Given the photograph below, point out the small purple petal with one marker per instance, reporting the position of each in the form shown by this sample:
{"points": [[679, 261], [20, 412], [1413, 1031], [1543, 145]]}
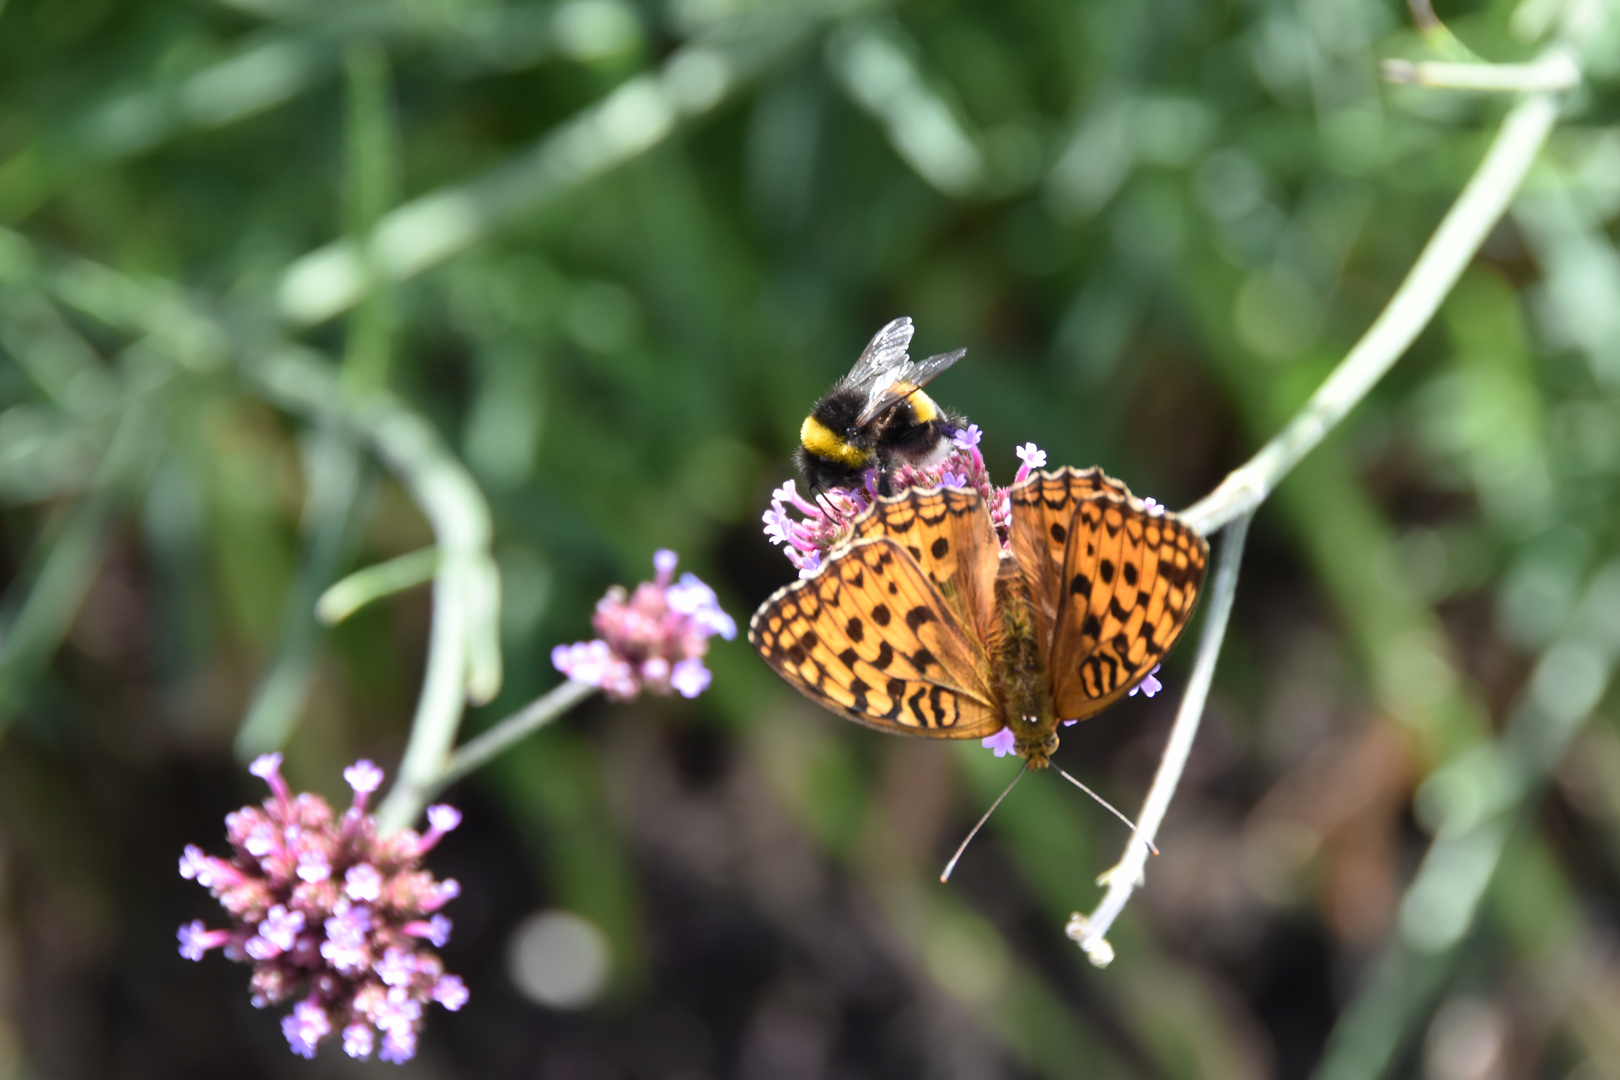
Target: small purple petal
{"points": [[196, 939], [362, 882], [260, 949], [282, 926], [689, 596], [690, 677], [436, 930], [1149, 685], [397, 1013], [778, 526], [968, 437], [1031, 455], [1002, 742], [589, 662], [450, 992], [664, 561], [363, 776], [398, 1046], [443, 817], [396, 967], [345, 944], [359, 1040], [441, 894], [193, 863], [305, 1027], [312, 866], [265, 766], [261, 839]]}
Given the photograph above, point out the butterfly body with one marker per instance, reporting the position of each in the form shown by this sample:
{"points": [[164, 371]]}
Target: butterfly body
{"points": [[923, 625], [877, 416], [1018, 667]]}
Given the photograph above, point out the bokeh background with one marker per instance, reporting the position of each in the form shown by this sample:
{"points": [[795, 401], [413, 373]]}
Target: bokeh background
{"points": [[622, 246]]}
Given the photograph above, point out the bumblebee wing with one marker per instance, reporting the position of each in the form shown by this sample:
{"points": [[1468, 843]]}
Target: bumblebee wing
{"points": [[883, 356], [907, 379]]}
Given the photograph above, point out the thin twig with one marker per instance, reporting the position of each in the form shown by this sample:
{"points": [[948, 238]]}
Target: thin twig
{"points": [[1478, 208], [372, 583], [1125, 877], [1556, 71], [1472, 217], [486, 747]]}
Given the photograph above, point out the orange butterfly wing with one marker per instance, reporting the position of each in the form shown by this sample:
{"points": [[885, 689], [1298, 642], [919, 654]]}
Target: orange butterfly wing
{"points": [[1114, 584], [890, 632]]}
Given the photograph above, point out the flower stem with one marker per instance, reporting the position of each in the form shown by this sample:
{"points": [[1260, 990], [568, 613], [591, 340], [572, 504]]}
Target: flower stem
{"points": [[1125, 877], [1555, 71], [1472, 217], [372, 583], [1478, 208], [476, 753]]}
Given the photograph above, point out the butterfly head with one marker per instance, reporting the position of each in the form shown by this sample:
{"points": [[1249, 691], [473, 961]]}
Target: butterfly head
{"points": [[1035, 743]]}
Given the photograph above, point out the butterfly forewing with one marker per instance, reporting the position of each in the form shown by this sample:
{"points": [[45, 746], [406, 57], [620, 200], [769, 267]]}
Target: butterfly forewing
{"points": [[876, 638], [1043, 510], [948, 535], [1121, 593]]}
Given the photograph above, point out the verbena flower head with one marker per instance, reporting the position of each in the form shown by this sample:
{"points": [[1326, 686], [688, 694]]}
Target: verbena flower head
{"points": [[332, 915], [826, 522], [653, 639]]}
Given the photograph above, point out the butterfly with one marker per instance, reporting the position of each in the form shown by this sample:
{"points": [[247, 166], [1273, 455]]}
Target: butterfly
{"points": [[877, 416], [922, 624]]}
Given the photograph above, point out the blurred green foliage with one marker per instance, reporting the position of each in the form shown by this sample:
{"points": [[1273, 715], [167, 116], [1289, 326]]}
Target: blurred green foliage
{"points": [[273, 271]]}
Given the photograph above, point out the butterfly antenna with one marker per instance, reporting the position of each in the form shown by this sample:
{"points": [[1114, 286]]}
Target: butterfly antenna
{"points": [[946, 876], [1106, 805]]}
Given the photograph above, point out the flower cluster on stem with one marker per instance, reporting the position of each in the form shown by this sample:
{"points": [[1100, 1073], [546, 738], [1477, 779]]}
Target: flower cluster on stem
{"points": [[653, 639], [331, 914], [825, 521]]}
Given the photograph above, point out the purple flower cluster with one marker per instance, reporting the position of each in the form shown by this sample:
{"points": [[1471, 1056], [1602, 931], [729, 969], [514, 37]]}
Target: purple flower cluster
{"points": [[825, 522], [653, 639], [964, 467], [323, 907]]}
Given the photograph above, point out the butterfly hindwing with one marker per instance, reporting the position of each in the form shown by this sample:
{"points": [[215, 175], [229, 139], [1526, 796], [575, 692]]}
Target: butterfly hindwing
{"points": [[886, 638]]}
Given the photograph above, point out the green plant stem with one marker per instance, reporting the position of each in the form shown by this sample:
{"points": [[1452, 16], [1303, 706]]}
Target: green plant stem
{"points": [[479, 751], [1472, 217], [1127, 876], [464, 658], [1553, 72], [375, 582], [1478, 208]]}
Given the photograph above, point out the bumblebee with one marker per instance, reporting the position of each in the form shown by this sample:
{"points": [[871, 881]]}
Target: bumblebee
{"points": [[877, 416]]}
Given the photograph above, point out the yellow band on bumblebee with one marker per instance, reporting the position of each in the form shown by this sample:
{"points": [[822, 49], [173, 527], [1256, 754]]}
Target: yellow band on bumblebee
{"points": [[820, 440], [922, 406]]}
